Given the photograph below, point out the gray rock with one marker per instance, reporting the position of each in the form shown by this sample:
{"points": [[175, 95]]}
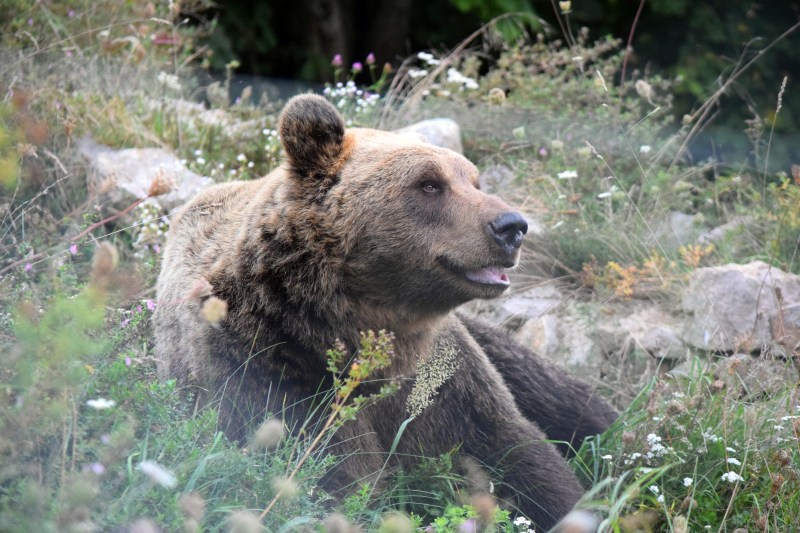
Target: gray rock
{"points": [[444, 132], [495, 179], [676, 229], [742, 308], [121, 176], [737, 224]]}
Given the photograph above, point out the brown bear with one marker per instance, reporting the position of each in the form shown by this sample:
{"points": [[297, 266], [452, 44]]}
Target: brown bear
{"points": [[364, 230]]}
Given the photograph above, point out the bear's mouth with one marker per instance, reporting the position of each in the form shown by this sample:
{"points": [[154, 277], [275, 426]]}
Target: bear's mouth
{"points": [[492, 275]]}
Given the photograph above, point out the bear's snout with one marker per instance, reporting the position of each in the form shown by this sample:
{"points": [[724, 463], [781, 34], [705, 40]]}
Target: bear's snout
{"points": [[507, 230]]}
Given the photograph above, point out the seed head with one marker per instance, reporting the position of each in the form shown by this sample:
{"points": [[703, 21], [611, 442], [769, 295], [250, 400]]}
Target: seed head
{"points": [[268, 435], [214, 310]]}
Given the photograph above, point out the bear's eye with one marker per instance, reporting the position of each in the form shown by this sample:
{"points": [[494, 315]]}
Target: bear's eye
{"points": [[430, 187]]}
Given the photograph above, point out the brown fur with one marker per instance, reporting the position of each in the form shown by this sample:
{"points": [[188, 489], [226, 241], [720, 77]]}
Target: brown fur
{"points": [[343, 238]]}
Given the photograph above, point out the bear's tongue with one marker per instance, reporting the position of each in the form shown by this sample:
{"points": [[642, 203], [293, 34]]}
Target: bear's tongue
{"points": [[489, 275]]}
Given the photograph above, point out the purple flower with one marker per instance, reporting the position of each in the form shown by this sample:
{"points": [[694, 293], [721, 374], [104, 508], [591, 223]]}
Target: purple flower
{"points": [[30, 22], [97, 468], [156, 248], [138, 308], [28, 267], [370, 59], [105, 438], [124, 323], [127, 361], [73, 249], [151, 305], [71, 13], [469, 526], [357, 67], [337, 61]]}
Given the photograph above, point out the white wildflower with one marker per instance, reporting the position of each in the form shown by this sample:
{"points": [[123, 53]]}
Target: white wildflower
{"points": [[606, 457], [604, 195], [732, 477], [417, 73], [654, 489], [158, 474], [170, 81], [241, 158], [101, 403], [734, 461], [521, 521], [645, 149], [568, 175], [687, 482], [200, 161], [660, 498]]}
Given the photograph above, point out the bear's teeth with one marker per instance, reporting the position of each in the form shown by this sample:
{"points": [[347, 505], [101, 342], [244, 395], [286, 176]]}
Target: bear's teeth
{"points": [[488, 275]]}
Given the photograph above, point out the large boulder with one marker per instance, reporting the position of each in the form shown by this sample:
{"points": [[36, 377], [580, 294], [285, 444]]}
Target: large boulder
{"points": [[742, 308]]}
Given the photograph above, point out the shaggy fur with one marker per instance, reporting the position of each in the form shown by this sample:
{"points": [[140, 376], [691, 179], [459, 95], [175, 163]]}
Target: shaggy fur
{"points": [[367, 230]]}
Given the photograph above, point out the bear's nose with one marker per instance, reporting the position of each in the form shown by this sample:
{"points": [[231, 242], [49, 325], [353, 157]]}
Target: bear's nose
{"points": [[507, 230]]}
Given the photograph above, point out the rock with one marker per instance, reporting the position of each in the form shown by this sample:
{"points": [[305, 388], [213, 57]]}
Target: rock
{"points": [[653, 330], [675, 230], [737, 224], [444, 132], [495, 179], [121, 176], [742, 308]]}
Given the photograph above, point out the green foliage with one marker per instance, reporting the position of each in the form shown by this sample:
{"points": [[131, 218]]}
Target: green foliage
{"points": [[689, 450]]}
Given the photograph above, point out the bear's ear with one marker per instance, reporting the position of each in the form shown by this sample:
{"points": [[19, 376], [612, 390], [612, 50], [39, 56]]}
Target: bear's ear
{"points": [[312, 133]]}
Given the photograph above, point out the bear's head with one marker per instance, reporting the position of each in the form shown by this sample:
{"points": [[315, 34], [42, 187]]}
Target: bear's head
{"points": [[412, 228]]}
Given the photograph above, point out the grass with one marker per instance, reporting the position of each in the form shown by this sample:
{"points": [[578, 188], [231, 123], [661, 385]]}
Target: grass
{"points": [[81, 409]]}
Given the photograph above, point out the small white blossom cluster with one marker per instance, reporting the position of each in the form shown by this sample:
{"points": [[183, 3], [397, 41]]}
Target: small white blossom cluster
{"points": [[731, 477], [523, 524], [151, 227], [170, 81], [453, 77], [655, 490], [657, 449], [158, 474], [345, 95]]}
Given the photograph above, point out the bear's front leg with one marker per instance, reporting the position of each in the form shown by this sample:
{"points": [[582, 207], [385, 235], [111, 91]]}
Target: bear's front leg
{"points": [[565, 408], [475, 410]]}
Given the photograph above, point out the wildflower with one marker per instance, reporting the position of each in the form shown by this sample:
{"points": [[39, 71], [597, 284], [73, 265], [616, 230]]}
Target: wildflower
{"points": [[370, 59], [198, 152], [387, 67], [468, 526], [214, 310], [73, 249], [71, 13], [158, 474], [127, 361], [734, 461], [200, 161], [687, 482], [732, 477], [28, 267], [521, 521], [606, 457], [284, 487], [170, 81], [241, 158], [101, 403], [337, 60], [654, 489], [269, 434], [568, 175], [603, 195], [357, 67], [244, 522], [729, 449], [97, 468], [660, 498], [417, 73], [565, 6], [428, 58]]}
